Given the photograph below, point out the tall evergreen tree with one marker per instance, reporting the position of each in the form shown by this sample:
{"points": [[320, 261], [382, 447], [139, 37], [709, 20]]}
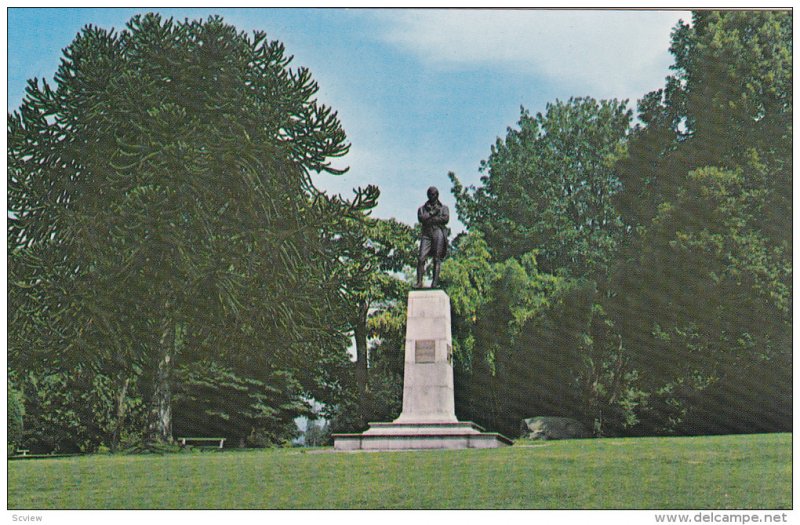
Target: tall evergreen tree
{"points": [[161, 207]]}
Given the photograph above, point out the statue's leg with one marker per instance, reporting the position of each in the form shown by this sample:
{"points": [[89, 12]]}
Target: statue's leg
{"points": [[437, 252], [420, 271], [437, 266]]}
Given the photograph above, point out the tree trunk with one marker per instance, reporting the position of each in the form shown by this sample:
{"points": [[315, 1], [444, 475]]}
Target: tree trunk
{"points": [[160, 430], [362, 378], [123, 392]]}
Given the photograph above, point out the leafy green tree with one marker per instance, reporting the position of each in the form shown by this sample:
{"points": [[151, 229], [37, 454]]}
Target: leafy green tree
{"points": [[713, 306], [211, 399], [371, 252], [528, 343], [545, 208], [77, 410], [728, 101], [387, 330], [548, 186], [611, 397], [707, 192], [15, 415], [161, 205], [317, 434], [503, 370], [467, 276]]}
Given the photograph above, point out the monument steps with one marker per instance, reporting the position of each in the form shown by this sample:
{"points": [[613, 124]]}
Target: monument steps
{"points": [[419, 436]]}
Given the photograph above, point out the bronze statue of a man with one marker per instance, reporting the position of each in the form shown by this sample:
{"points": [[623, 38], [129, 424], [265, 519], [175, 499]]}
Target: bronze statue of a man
{"points": [[433, 215]]}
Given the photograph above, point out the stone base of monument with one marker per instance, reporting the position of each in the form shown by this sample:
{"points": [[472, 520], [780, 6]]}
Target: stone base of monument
{"points": [[428, 419], [420, 436]]}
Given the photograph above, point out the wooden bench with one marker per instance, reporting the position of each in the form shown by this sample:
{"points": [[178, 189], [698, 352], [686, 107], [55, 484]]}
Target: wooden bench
{"points": [[183, 440], [22, 451]]}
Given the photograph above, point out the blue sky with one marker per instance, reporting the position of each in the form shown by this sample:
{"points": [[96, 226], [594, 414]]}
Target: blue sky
{"points": [[420, 92]]}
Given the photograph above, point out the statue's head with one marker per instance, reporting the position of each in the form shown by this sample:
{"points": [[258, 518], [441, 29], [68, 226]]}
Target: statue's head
{"points": [[433, 193]]}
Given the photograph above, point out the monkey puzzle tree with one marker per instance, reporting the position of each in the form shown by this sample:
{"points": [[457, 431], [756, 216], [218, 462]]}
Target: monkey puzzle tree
{"points": [[161, 202]]}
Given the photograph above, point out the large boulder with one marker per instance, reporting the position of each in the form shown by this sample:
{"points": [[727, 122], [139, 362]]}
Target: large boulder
{"points": [[547, 427]]}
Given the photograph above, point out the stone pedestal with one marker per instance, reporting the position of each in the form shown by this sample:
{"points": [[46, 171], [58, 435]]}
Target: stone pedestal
{"points": [[428, 419], [428, 371]]}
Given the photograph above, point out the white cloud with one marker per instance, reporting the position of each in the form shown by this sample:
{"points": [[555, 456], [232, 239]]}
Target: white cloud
{"points": [[619, 54]]}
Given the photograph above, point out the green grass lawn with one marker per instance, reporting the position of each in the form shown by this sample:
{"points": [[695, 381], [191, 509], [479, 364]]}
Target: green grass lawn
{"points": [[725, 472]]}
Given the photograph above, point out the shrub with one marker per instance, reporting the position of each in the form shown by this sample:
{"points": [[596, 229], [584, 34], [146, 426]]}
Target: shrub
{"points": [[16, 416]]}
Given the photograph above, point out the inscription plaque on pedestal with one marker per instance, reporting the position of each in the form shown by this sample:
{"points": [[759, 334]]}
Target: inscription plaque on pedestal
{"points": [[425, 351]]}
